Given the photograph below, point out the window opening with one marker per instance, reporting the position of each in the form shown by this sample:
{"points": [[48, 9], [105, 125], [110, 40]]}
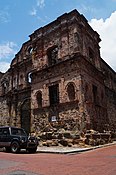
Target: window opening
{"points": [[29, 78], [52, 55], [39, 99], [30, 50], [91, 54], [54, 94], [95, 93]]}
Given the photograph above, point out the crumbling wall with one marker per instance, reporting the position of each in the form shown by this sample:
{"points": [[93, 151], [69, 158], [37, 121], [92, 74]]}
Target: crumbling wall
{"points": [[4, 113], [95, 110], [82, 112], [110, 94], [111, 109], [70, 34], [62, 57]]}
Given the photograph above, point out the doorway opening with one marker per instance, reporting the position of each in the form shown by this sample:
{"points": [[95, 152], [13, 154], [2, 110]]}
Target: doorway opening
{"points": [[25, 115]]}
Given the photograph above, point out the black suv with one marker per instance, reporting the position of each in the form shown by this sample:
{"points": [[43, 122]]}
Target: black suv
{"points": [[14, 139]]}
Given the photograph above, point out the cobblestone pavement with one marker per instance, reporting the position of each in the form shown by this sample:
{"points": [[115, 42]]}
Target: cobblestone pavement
{"points": [[100, 161]]}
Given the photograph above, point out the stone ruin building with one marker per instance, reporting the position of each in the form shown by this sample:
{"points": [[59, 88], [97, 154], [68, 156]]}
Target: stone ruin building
{"points": [[58, 80]]}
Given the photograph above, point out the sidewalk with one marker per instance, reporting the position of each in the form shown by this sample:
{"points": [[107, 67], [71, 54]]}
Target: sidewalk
{"points": [[67, 150]]}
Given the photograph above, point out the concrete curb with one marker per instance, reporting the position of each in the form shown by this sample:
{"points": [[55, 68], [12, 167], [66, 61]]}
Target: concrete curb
{"points": [[67, 150]]}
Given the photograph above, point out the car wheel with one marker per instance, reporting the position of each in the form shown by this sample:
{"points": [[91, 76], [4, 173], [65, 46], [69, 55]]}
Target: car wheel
{"points": [[15, 147]]}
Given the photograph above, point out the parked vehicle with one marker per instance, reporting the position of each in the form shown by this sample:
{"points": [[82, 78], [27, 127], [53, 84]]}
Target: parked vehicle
{"points": [[14, 139]]}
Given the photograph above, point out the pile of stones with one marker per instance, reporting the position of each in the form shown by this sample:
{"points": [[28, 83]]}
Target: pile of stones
{"points": [[94, 138], [61, 138], [73, 139]]}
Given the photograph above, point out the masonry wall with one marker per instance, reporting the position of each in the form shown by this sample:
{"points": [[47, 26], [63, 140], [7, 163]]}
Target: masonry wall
{"points": [[63, 57], [110, 93], [4, 113], [71, 34], [80, 113]]}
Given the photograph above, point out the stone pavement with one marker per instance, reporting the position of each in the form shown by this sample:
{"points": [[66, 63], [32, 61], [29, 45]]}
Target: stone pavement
{"points": [[67, 150]]}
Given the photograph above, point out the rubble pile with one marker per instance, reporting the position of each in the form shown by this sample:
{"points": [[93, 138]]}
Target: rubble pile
{"points": [[73, 138], [94, 138]]}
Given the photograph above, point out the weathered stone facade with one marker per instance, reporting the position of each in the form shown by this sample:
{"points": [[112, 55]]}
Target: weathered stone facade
{"points": [[58, 80]]}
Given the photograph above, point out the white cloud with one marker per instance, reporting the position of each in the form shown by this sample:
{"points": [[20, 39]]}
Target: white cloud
{"points": [[33, 12], [41, 3], [107, 31], [7, 49], [4, 16], [7, 52], [4, 66]]}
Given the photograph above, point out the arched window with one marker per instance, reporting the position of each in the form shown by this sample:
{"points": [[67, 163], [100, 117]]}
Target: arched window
{"points": [[30, 50], [39, 99], [29, 80], [71, 91]]}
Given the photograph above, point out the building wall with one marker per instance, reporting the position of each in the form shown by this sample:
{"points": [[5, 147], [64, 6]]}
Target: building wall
{"points": [[110, 93], [58, 80], [82, 111]]}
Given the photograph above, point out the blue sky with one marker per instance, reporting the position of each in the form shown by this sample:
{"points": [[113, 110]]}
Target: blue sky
{"points": [[19, 18]]}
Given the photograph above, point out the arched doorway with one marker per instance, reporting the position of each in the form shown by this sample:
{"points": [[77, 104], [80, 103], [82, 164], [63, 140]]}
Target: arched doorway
{"points": [[25, 115]]}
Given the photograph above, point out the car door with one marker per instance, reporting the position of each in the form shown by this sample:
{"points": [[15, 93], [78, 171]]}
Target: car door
{"points": [[5, 137], [0, 137]]}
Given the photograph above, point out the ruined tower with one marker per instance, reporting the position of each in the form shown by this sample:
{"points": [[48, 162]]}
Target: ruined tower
{"points": [[59, 79]]}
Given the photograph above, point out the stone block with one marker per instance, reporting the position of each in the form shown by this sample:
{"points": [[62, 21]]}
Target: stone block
{"points": [[49, 135], [113, 136], [49, 143], [88, 136], [106, 137], [67, 135], [95, 136], [43, 136], [55, 142], [63, 142], [60, 135]]}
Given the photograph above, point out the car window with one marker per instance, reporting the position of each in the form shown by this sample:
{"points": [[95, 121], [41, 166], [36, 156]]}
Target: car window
{"points": [[0, 131], [5, 131], [16, 131]]}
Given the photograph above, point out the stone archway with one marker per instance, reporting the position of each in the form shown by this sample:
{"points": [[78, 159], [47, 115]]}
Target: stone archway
{"points": [[26, 115]]}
